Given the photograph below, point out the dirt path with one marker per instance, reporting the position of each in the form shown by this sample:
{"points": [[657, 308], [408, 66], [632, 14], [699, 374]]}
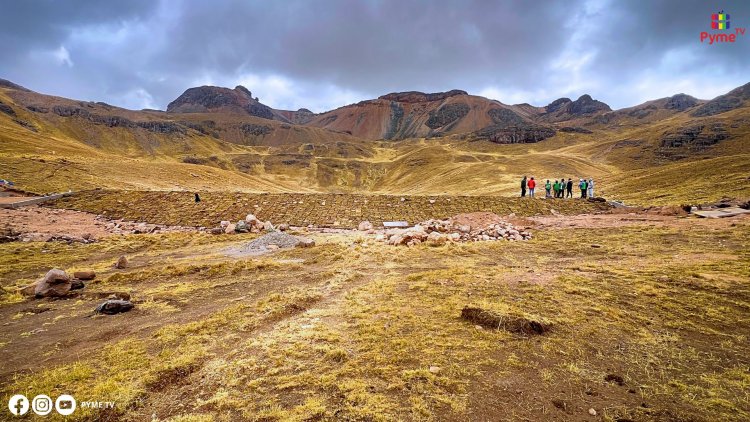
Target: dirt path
{"points": [[34, 223]]}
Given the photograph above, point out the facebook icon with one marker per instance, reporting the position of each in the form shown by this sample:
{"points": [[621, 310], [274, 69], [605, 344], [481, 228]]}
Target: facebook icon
{"points": [[18, 405]]}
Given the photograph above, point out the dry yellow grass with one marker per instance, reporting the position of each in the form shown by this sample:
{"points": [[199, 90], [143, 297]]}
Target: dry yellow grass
{"points": [[350, 329]]}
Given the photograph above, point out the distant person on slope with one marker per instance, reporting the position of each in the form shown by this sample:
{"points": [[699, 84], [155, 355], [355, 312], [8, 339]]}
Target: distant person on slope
{"points": [[591, 187], [532, 185], [547, 188], [570, 188], [197, 197], [523, 187]]}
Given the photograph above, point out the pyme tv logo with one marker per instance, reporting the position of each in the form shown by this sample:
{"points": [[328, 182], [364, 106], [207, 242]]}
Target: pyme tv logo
{"points": [[720, 22]]}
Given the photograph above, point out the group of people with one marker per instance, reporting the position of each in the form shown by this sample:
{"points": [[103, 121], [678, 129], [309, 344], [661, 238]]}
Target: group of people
{"points": [[558, 188]]}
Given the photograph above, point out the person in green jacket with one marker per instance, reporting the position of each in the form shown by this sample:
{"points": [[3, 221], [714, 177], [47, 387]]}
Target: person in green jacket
{"points": [[556, 188], [583, 186]]}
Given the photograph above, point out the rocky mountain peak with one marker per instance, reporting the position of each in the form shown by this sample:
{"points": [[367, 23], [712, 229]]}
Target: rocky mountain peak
{"points": [[205, 99], [557, 104], [242, 89], [420, 97], [585, 105]]}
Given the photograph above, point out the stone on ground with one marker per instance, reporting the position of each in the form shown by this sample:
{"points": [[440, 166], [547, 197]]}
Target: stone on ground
{"points": [[122, 262], [84, 275], [114, 306], [56, 283]]}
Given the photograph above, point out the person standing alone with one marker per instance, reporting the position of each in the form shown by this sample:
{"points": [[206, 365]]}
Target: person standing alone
{"points": [[532, 185], [523, 187]]}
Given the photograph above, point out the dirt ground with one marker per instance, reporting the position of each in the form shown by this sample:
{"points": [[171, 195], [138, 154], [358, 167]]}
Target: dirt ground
{"points": [[649, 322], [35, 223]]}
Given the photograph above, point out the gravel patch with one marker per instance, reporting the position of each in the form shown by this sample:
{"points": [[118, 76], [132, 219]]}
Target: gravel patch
{"points": [[280, 239]]}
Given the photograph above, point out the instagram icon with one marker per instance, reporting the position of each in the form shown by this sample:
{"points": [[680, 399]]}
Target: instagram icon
{"points": [[41, 405]]}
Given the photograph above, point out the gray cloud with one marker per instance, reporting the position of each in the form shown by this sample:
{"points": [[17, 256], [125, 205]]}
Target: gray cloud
{"points": [[328, 53]]}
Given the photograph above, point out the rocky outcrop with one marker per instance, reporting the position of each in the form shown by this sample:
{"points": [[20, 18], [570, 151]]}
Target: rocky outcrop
{"points": [[696, 136], [564, 109], [447, 114], [680, 102], [510, 128], [255, 130], [723, 103], [205, 99], [420, 97], [585, 105], [574, 129], [6, 109], [557, 104], [156, 126]]}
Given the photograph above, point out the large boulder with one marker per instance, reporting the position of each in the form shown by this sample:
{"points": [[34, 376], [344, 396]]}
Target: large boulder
{"points": [[56, 283]]}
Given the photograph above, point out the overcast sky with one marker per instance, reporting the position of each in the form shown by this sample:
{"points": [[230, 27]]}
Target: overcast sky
{"points": [[322, 54]]}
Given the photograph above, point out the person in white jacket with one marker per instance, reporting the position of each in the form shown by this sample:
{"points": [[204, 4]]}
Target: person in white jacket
{"points": [[591, 188]]}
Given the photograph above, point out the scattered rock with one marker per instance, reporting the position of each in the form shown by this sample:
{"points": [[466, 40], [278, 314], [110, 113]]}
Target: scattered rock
{"points": [[217, 230], [482, 226], [84, 275], [122, 262], [76, 284], [435, 369], [306, 243], [513, 323], [114, 306], [56, 283], [241, 227], [592, 412], [365, 226], [230, 228], [596, 245], [283, 227]]}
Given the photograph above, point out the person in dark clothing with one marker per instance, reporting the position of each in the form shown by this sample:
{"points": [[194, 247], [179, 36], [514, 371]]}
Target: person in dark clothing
{"points": [[523, 187], [197, 197], [570, 188]]}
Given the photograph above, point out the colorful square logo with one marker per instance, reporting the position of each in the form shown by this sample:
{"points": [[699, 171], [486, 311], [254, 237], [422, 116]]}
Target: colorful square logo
{"points": [[720, 20]]}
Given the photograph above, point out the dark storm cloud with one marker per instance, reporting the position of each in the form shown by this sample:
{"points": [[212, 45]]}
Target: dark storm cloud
{"points": [[323, 54]]}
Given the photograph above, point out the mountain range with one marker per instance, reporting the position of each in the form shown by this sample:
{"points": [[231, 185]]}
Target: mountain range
{"points": [[403, 142]]}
